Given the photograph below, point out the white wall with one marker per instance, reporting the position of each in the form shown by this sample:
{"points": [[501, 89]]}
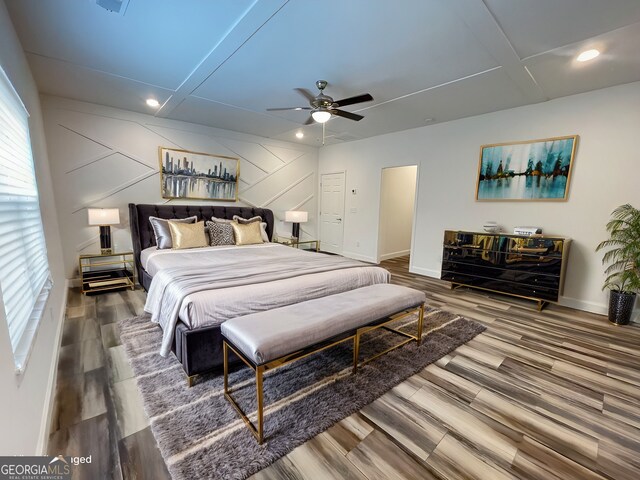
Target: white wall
{"points": [[397, 196], [106, 157], [605, 174], [26, 399]]}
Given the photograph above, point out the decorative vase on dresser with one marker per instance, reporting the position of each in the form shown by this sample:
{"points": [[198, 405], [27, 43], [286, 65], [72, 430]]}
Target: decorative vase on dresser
{"points": [[527, 267]]}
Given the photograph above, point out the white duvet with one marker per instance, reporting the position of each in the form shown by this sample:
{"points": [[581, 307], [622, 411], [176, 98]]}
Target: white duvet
{"points": [[207, 286]]}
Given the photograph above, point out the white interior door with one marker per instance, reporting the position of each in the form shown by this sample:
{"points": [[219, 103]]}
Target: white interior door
{"points": [[332, 212]]}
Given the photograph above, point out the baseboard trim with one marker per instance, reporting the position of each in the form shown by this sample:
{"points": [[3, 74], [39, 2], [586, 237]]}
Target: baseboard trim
{"points": [[427, 272], [584, 305], [49, 399], [358, 256], [401, 253], [593, 307]]}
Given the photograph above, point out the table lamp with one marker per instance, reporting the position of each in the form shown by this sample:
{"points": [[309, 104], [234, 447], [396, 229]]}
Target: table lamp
{"points": [[297, 217], [104, 217]]}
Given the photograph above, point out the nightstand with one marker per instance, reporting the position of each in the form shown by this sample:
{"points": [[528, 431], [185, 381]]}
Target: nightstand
{"points": [[294, 242], [101, 272]]}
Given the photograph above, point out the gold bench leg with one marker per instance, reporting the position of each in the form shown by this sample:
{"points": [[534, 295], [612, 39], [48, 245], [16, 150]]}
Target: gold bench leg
{"points": [[409, 337], [356, 350], [260, 397], [420, 324], [257, 431], [225, 363]]}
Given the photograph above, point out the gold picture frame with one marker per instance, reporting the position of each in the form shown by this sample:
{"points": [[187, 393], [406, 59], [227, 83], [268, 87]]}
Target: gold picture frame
{"points": [[530, 170], [198, 176]]}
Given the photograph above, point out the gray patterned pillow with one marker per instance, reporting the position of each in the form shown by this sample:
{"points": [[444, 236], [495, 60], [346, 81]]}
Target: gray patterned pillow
{"points": [[257, 218], [161, 229], [220, 233]]}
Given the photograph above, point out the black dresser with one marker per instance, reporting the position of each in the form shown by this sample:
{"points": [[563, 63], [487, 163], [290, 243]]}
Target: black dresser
{"points": [[529, 267]]}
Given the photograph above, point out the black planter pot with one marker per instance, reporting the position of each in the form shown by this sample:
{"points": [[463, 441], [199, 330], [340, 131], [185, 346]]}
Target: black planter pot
{"points": [[621, 307]]}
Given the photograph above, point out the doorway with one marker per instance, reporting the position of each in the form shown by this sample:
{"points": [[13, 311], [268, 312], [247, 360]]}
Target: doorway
{"points": [[331, 212], [397, 203]]}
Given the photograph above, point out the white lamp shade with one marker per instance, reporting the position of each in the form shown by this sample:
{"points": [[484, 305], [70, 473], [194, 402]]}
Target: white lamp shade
{"points": [[296, 216], [103, 216], [321, 116]]}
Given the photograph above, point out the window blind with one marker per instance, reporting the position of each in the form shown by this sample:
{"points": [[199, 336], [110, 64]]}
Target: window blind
{"points": [[25, 281]]}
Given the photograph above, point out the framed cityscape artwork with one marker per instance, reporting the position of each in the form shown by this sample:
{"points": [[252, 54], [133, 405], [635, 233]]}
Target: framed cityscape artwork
{"points": [[194, 175], [530, 170]]}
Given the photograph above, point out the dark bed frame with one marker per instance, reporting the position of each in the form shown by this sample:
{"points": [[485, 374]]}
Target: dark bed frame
{"points": [[198, 350]]}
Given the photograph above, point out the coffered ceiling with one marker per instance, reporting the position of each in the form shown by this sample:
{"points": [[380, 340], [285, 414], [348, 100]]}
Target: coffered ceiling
{"points": [[222, 63]]}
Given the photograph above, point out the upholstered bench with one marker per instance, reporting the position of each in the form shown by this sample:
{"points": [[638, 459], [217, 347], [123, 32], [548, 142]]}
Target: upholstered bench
{"points": [[269, 339]]}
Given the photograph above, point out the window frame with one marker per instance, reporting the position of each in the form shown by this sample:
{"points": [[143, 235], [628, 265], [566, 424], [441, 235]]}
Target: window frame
{"points": [[21, 347]]}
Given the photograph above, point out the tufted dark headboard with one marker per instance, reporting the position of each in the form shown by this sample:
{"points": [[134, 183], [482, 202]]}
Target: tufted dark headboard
{"points": [[142, 234]]}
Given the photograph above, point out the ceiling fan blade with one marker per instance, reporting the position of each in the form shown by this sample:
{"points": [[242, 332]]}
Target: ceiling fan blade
{"points": [[365, 97], [289, 108], [349, 115], [309, 121], [306, 94]]}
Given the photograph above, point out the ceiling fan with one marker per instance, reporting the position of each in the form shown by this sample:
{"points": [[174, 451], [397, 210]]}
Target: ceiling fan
{"points": [[323, 106]]}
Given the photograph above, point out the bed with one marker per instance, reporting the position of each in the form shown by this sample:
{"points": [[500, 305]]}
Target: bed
{"points": [[191, 292]]}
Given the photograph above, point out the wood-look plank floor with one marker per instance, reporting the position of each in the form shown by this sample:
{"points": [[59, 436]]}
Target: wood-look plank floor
{"points": [[540, 395], [98, 410]]}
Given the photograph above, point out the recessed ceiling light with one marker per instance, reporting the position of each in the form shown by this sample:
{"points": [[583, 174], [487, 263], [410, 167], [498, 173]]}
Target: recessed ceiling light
{"points": [[152, 102], [588, 55], [299, 135]]}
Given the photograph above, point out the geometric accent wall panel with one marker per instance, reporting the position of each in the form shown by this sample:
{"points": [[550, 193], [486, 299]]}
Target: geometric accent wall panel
{"points": [[102, 177], [188, 140], [285, 154], [254, 153], [62, 141], [278, 182], [105, 157], [250, 174]]}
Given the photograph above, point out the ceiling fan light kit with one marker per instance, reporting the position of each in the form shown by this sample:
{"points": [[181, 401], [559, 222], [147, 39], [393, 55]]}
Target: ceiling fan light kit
{"points": [[323, 107], [321, 115]]}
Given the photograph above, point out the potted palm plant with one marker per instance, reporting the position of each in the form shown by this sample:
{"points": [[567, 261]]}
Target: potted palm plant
{"points": [[623, 260]]}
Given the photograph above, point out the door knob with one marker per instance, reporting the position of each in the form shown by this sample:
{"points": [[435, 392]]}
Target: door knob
{"points": [[339, 219]]}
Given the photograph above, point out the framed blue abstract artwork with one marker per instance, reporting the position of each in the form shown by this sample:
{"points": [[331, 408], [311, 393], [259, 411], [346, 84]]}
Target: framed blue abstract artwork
{"points": [[529, 170]]}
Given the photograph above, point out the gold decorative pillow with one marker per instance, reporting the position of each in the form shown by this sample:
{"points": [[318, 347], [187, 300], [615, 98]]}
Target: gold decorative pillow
{"points": [[187, 235], [247, 234], [258, 218]]}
